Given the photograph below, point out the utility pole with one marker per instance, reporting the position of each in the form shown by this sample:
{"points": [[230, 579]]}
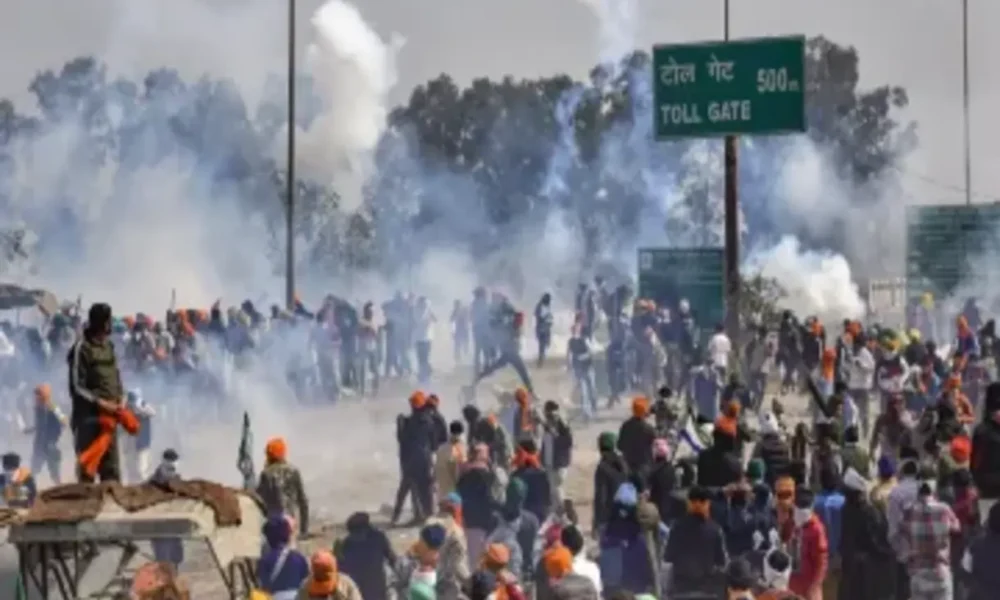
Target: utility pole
{"points": [[290, 177], [732, 224], [965, 100]]}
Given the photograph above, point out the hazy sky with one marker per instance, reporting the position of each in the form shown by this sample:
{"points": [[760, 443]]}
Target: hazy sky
{"points": [[914, 43]]}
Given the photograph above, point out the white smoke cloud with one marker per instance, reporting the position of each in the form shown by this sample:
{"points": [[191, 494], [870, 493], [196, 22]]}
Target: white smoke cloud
{"points": [[354, 70], [816, 283]]}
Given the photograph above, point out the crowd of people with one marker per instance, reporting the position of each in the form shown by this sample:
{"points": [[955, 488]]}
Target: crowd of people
{"points": [[883, 489]]}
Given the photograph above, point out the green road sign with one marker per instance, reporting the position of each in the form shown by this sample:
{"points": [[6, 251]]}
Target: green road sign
{"points": [[748, 86], [941, 240], [666, 275]]}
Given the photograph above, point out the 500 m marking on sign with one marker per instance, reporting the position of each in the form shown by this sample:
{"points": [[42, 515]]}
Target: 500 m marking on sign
{"points": [[775, 80]]}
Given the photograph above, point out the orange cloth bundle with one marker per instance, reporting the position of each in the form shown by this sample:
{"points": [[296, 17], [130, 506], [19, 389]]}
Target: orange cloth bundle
{"points": [[90, 458]]}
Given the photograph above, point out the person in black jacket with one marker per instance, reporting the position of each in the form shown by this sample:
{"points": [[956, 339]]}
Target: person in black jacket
{"points": [[364, 554], [985, 462], [438, 423], [415, 434], [772, 449], [476, 488], [697, 551], [718, 465], [557, 449], [662, 482], [610, 473], [635, 438]]}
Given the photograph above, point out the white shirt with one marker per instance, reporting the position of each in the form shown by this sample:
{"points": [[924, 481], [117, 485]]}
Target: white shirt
{"points": [[589, 569], [719, 348], [423, 326], [861, 372]]}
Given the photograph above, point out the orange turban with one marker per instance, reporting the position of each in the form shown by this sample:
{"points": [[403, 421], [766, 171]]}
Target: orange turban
{"points": [[323, 574], [961, 449], [417, 400], [496, 557], [558, 561], [276, 450], [640, 407]]}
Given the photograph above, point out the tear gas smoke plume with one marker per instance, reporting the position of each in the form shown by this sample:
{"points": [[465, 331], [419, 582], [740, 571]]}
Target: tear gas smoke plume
{"points": [[354, 70]]}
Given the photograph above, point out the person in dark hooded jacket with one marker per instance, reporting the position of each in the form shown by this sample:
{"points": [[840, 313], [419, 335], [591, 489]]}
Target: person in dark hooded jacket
{"points": [[696, 550], [439, 425], [985, 462], [635, 438], [610, 473], [981, 559], [364, 555]]}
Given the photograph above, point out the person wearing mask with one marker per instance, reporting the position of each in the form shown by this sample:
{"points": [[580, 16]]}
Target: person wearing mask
{"points": [[980, 560], [363, 555], [326, 582], [415, 435], [582, 566], [985, 461], [696, 551], [281, 569], [448, 460], [624, 552], [809, 548], [280, 485], [476, 487], [557, 450], [923, 543], [611, 472], [95, 385], [635, 438]]}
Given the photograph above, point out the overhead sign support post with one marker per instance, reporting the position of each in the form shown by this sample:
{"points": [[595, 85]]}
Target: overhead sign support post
{"points": [[741, 87]]}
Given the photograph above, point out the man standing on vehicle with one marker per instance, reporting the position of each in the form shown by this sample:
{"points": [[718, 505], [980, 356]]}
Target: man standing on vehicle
{"points": [[95, 385]]}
